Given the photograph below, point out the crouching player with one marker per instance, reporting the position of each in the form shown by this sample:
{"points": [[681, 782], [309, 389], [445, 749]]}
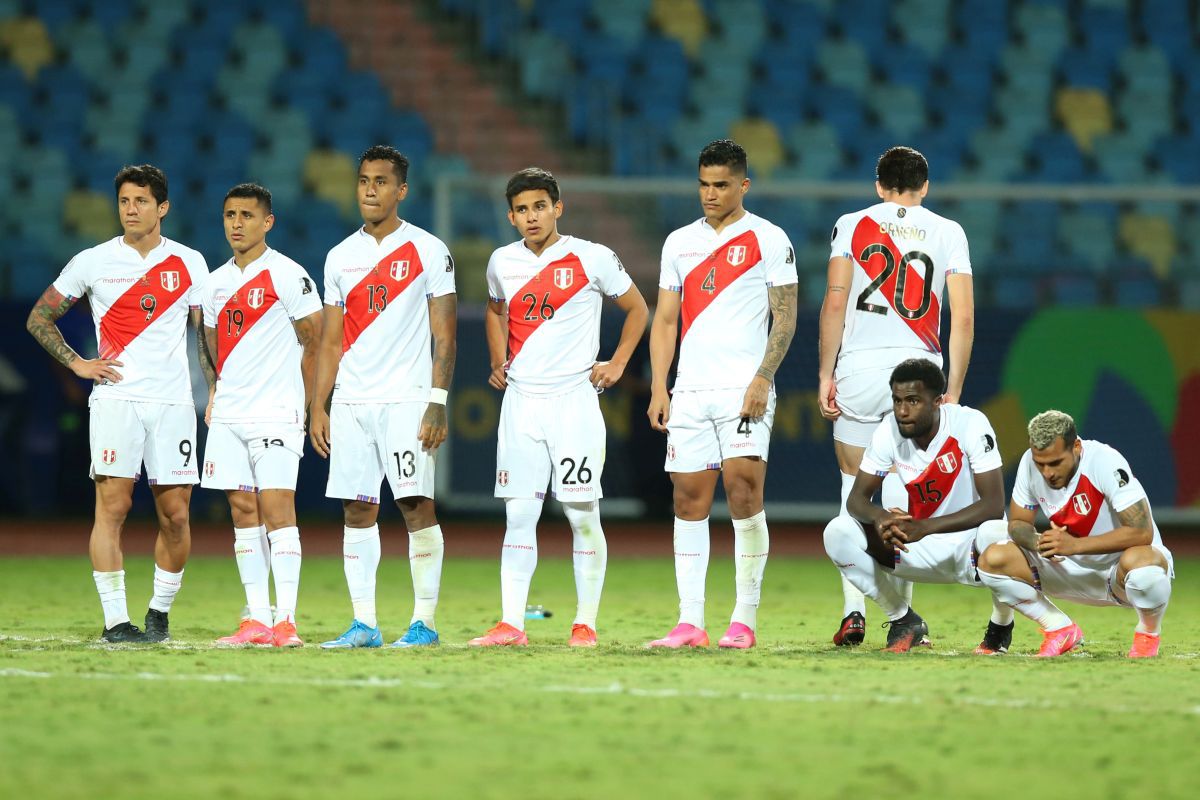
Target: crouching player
{"points": [[1102, 547], [947, 457], [262, 321]]}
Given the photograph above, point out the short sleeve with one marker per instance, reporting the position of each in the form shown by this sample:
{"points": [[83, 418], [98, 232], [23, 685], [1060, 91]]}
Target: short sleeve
{"points": [[207, 294], [668, 273], [880, 454], [1022, 492], [198, 269], [1117, 481], [333, 291], [439, 268], [73, 280], [298, 293], [608, 273], [841, 237], [495, 287], [779, 259], [980, 445], [958, 258]]}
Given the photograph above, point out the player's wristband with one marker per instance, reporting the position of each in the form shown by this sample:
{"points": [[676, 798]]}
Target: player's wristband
{"points": [[438, 396]]}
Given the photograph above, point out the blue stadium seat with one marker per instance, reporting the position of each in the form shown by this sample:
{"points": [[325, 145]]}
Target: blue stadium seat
{"points": [[1017, 292], [1057, 159], [1074, 288]]}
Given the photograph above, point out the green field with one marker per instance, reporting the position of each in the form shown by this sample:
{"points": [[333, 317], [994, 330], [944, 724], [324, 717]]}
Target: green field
{"points": [[794, 718]]}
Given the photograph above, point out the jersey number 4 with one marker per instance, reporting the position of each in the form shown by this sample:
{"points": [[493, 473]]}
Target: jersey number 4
{"points": [[709, 284], [889, 267]]}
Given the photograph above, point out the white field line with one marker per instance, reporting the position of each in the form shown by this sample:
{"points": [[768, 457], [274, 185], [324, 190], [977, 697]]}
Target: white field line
{"points": [[612, 689]]}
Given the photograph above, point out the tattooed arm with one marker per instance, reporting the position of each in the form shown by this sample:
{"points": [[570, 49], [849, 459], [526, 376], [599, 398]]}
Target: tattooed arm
{"points": [[42, 326], [204, 350], [1136, 529], [443, 321], [783, 326], [1020, 526], [833, 320]]}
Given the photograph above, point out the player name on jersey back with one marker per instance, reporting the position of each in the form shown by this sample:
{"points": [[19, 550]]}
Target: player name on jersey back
{"points": [[901, 256], [554, 302], [258, 355], [723, 279], [384, 290], [939, 479], [140, 310]]}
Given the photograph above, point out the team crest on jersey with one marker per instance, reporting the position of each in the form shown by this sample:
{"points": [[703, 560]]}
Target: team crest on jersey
{"points": [[947, 463], [736, 254], [255, 297], [108, 456], [170, 280], [502, 477], [209, 468], [564, 277], [1082, 504], [399, 270]]}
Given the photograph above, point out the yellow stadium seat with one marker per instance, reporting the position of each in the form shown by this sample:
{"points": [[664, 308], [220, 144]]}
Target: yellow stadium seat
{"points": [[1152, 238], [331, 175], [764, 147], [682, 20], [1085, 113], [28, 44], [90, 214]]}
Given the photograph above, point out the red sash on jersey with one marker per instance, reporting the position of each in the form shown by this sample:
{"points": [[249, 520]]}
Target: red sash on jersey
{"points": [[544, 294], [145, 301], [925, 327], [716, 273], [379, 288], [927, 491], [239, 314], [1079, 514]]}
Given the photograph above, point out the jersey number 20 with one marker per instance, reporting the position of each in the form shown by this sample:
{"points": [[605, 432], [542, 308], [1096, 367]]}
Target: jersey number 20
{"points": [[889, 267]]}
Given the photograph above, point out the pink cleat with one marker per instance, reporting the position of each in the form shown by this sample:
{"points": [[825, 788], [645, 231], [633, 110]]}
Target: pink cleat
{"points": [[1145, 645], [284, 634], [501, 634], [739, 637], [1061, 641], [682, 635], [251, 633], [582, 636]]}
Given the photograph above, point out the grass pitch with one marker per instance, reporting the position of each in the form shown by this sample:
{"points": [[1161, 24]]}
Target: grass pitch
{"points": [[794, 718]]}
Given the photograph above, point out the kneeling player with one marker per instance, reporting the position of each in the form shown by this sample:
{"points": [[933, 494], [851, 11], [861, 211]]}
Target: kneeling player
{"points": [[946, 454], [1102, 547], [262, 320], [544, 358]]}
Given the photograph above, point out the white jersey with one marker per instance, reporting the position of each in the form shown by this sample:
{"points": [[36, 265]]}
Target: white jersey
{"points": [[723, 279], [901, 256], [554, 303], [384, 289], [140, 308], [940, 479], [1102, 486], [258, 355]]}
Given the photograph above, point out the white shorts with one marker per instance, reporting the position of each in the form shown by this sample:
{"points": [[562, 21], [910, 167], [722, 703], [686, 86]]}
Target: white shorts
{"points": [[371, 441], [252, 456], [940, 558], [705, 428], [557, 440], [122, 434], [864, 395], [1091, 585]]}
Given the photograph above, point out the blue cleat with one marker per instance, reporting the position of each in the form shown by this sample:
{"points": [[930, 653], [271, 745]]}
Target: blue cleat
{"points": [[358, 635], [418, 636]]}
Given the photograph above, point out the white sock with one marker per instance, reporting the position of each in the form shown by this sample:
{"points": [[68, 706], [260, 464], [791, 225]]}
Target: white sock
{"points": [[589, 552], [852, 599], [846, 544], [1149, 591], [425, 550], [285, 568], [166, 586], [691, 568], [111, 587], [264, 548], [518, 558], [751, 542], [252, 567], [994, 532], [1026, 599], [360, 562]]}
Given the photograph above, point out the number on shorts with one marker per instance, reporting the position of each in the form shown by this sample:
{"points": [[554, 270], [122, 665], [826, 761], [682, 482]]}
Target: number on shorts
{"points": [[149, 303], [408, 469], [377, 298], [185, 450], [269, 442], [233, 316], [709, 284], [544, 309], [929, 492], [744, 426], [889, 266], [582, 475]]}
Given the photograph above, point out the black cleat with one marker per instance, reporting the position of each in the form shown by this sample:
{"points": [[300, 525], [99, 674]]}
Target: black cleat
{"points": [[123, 633], [906, 632], [853, 630], [996, 641], [157, 627]]}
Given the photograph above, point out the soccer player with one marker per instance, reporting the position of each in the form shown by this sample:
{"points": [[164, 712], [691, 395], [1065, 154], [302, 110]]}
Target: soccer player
{"points": [[726, 273], [1102, 547], [893, 261], [947, 457], [262, 320], [543, 333], [389, 288], [142, 288]]}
